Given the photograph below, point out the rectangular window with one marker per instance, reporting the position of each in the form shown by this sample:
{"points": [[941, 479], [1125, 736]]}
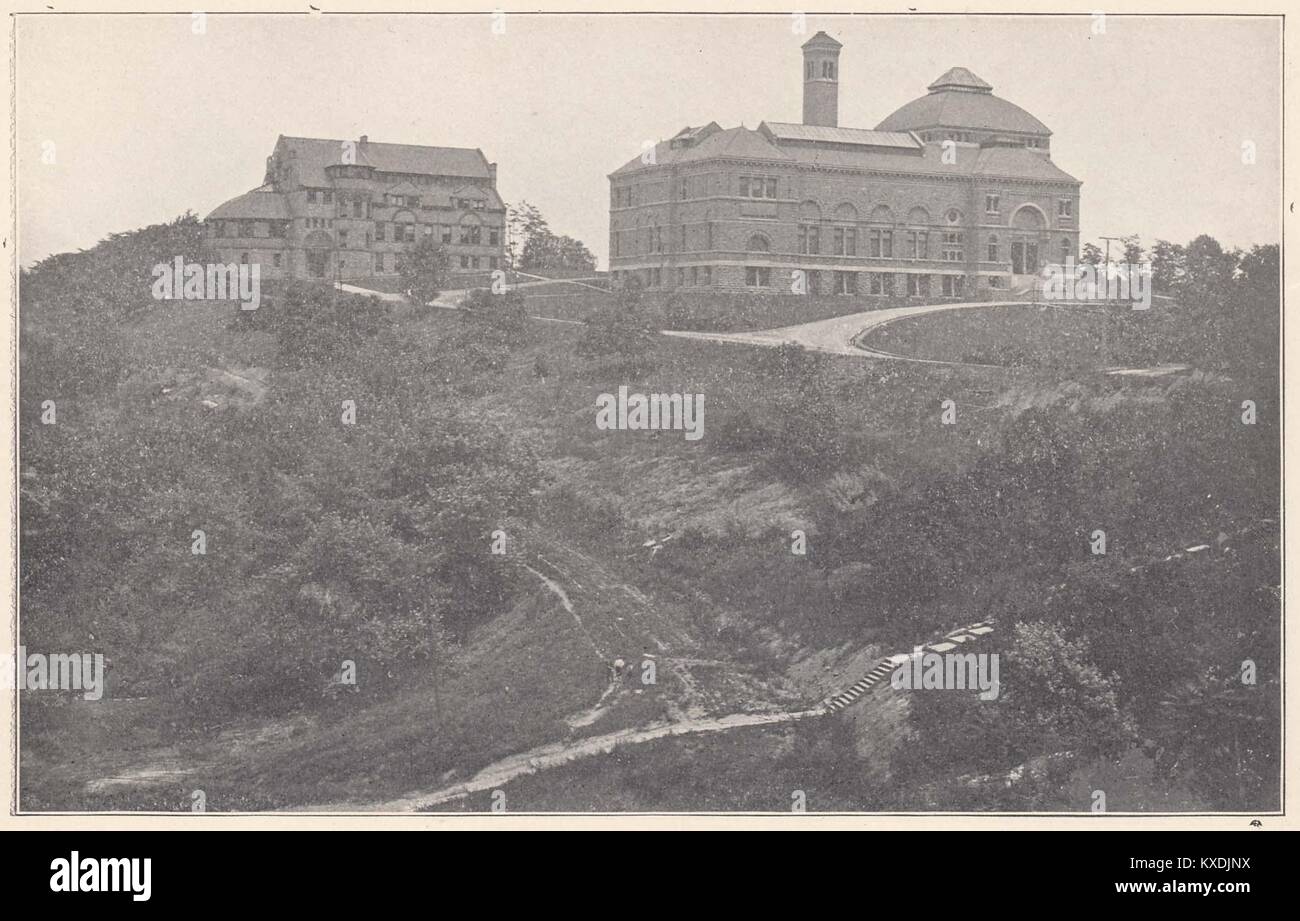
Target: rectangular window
{"points": [[343, 238], [381, 233], [851, 241], [681, 277], [758, 187], [683, 189], [993, 250], [990, 204], [952, 248], [706, 274], [877, 283], [846, 282], [838, 244], [1065, 208], [494, 237], [311, 196], [757, 276], [952, 285], [695, 275], [446, 234], [464, 262], [276, 260]]}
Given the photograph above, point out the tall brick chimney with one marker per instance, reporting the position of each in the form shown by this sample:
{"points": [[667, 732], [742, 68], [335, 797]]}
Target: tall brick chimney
{"points": [[821, 81]]}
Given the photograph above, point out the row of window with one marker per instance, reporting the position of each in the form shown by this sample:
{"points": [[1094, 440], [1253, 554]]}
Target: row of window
{"points": [[391, 262], [970, 137], [878, 283], [653, 278], [844, 242], [827, 70], [277, 259], [361, 204], [842, 282], [470, 234], [246, 229], [751, 186]]}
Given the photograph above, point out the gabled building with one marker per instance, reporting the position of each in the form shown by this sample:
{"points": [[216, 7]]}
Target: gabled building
{"points": [[952, 195], [349, 209]]}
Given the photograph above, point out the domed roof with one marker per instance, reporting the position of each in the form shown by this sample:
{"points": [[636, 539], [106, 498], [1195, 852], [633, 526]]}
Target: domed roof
{"points": [[959, 99], [261, 203]]}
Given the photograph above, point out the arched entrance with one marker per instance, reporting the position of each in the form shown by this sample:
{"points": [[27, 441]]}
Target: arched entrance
{"points": [[1027, 227]]}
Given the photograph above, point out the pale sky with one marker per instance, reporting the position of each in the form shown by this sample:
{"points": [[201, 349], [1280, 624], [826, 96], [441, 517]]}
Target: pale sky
{"points": [[147, 119]]}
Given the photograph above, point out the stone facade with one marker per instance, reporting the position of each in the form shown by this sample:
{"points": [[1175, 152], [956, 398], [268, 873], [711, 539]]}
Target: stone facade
{"points": [[333, 209], [953, 196]]}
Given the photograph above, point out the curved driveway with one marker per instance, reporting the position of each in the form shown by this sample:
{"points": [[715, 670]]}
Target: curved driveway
{"points": [[839, 335]]}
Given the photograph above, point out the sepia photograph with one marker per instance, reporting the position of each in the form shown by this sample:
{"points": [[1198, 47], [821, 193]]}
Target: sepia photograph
{"points": [[632, 413]]}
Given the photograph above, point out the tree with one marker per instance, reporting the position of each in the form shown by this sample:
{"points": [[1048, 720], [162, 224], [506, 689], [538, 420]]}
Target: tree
{"points": [[1209, 269], [535, 248], [523, 221], [1168, 263], [1133, 251], [424, 271], [1259, 269]]}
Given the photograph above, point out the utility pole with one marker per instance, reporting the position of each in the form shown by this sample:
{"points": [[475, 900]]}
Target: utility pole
{"points": [[1108, 239], [1105, 320]]}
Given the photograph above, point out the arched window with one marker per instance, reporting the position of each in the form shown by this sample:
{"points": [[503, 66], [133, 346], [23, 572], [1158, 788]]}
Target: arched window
{"points": [[880, 240], [810, 71], [759, 244], [1066, 249], [993, 247]]}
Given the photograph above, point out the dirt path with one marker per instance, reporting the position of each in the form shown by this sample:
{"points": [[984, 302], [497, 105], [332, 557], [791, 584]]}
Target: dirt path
{"points": [[558, 753]]}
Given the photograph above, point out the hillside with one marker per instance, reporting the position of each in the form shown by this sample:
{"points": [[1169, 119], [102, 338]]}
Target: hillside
{"points": [[330, 542]]}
